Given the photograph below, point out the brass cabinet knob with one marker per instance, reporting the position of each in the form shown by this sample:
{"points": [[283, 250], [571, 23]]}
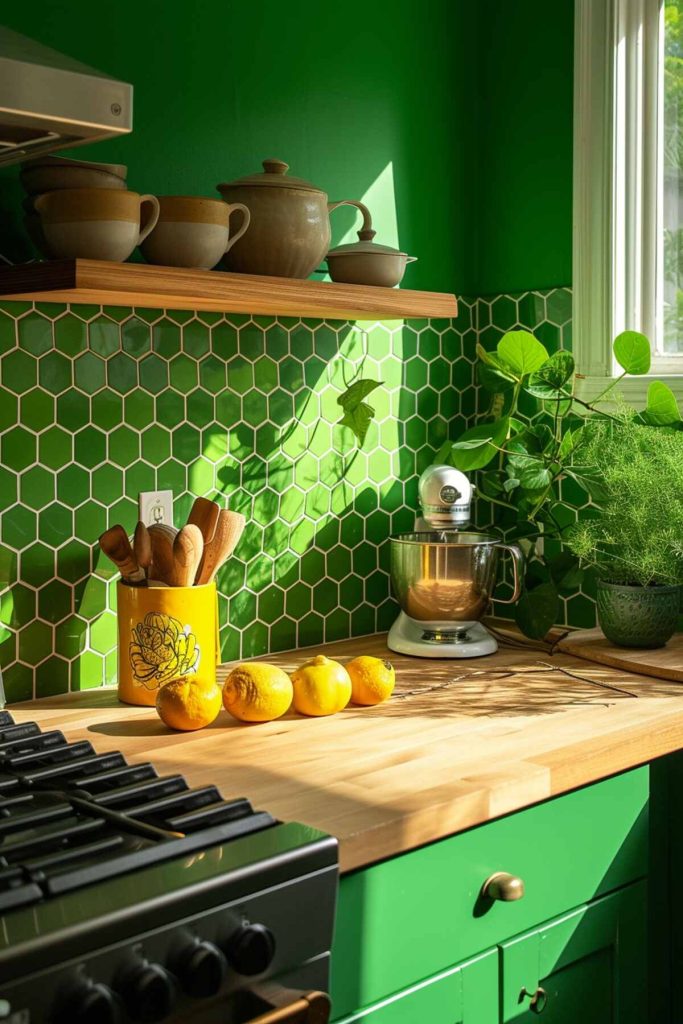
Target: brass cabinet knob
{"points": [[503, 886], [539, 999]]}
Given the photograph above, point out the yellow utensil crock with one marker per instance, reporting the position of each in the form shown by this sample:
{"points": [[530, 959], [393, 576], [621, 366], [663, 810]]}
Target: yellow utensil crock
{"points": [[164, 633]]}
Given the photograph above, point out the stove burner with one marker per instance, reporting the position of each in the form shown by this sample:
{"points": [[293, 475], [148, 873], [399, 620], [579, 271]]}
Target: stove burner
{"points": [[70, 817]]}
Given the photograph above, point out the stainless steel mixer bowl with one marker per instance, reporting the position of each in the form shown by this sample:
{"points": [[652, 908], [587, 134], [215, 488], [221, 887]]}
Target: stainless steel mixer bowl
{"points": [[444, 577]]}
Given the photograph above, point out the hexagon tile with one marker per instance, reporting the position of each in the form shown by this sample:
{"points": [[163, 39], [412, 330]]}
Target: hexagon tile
{"points": [[97, 404]]}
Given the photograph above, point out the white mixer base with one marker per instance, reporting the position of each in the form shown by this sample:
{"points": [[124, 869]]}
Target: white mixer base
{"points": [[406, 636]]}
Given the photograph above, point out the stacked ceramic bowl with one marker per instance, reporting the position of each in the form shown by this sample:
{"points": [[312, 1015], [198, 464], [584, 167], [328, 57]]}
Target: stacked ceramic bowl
{"points": [[76, 209], [52, 174], [79, 210]]}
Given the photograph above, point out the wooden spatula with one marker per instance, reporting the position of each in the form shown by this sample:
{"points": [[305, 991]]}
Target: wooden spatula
{"points": [[116, 546], [204, 514], [228, 531], [163, 562], [142, 546], [188, 547]]}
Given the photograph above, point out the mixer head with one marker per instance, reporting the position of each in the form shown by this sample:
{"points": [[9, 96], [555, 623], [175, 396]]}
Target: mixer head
{"points": [[445, 497]]}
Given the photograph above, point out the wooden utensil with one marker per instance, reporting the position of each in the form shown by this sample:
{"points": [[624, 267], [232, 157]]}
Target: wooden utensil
{"points": [[163, 561], [170, 531], [142, 547], [204, 514], [229, 529], [116, 546], [188, 548]]}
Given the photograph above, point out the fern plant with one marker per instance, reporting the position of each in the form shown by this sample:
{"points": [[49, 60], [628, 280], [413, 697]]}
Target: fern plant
{"points": [[638, 536]]}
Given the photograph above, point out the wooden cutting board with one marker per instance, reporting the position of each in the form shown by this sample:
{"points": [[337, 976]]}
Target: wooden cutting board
{"points": [[663, 663]]}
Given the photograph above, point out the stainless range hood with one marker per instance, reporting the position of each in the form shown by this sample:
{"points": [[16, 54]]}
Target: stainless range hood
{"points": [[50, 102]]}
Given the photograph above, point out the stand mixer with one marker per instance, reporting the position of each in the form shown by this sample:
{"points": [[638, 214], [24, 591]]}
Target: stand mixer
{"points": [[444, 576]]}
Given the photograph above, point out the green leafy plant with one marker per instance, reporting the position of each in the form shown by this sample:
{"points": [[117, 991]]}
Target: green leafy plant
{"points": [[522, 462], [638, 537]]}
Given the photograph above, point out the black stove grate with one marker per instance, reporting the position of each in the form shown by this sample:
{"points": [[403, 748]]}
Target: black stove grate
{"points": [[70, 817]]}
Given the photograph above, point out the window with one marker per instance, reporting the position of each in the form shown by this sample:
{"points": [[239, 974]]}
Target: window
{"points": [[628, 185], [671, 329]]}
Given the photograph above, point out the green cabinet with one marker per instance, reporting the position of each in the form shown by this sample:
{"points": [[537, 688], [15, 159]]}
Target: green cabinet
{"points": [[416, 943], [415, 915], [588, 965], [466, 994]]}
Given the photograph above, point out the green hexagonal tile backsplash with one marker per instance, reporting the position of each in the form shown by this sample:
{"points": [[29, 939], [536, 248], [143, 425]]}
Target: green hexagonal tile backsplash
{"points": [[98, 403]]}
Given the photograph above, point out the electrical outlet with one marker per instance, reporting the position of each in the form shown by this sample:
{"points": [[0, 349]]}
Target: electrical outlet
{"points": [[155, 507]]}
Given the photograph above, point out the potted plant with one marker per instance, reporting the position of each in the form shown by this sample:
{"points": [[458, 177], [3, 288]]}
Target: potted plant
{"points": [[635, 545], [532, 446]]}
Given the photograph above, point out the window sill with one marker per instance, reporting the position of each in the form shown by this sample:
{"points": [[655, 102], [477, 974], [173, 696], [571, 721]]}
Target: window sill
{"points": [[632, 389]]}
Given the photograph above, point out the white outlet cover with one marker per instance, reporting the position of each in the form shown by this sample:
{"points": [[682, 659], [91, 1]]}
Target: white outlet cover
{"points": [[155, 507]]}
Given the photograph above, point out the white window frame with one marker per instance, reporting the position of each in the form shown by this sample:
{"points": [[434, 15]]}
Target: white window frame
{"points": [[618, 241]]}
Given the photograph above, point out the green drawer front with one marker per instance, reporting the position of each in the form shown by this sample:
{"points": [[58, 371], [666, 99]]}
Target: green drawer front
{"points": [[415, 915], [467, 994]]}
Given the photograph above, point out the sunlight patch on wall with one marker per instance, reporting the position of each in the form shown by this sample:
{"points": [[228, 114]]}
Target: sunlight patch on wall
{"points": [[381, 201]]}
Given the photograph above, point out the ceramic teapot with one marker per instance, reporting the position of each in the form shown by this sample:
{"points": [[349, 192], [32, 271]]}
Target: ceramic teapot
{"points": [[289, 233]]}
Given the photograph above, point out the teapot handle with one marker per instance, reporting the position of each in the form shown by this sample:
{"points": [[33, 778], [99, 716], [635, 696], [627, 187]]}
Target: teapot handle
{"points": [[366, 233], [517, 571]]}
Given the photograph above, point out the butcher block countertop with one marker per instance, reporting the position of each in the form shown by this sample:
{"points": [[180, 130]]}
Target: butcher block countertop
{"points": [[460, 743]]}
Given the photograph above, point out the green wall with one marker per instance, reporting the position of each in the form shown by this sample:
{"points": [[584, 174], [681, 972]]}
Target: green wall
{"points": [[522, 140], [453, 117], [363, 99]]}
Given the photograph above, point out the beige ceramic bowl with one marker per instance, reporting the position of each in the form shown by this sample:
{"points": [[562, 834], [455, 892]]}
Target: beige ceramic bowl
{"points": [[193, 231], [96, 223], [44, 174]]}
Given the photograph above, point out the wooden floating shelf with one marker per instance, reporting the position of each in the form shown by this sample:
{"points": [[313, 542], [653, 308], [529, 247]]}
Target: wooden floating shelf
{"points": [[138, 284]]}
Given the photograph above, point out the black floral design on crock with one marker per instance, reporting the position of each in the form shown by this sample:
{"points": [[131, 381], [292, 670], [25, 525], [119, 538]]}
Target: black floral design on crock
{"points": [[162, 649]]}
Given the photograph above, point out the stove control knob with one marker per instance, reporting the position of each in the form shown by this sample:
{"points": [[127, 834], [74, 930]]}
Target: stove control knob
{"points": [[148, 992], [251, 949], [201, 969], [90, 1003]]}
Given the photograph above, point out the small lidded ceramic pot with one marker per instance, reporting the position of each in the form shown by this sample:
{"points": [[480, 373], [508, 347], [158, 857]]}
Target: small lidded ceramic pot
{"points": [[367, 262], [193, 231]]}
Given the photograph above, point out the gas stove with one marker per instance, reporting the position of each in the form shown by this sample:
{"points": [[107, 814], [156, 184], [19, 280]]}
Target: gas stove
{"points": [[127, 896]]}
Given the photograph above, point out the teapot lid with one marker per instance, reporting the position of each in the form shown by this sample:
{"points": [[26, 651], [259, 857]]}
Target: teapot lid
{"points": [[275, 174], [365, 244]]}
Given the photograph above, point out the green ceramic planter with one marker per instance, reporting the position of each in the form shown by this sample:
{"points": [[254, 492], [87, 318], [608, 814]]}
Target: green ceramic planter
{"points": [[632, 616]]}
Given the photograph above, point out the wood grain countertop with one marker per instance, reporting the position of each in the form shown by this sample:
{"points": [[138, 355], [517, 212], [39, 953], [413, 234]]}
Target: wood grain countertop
{"points": [[460, 743]]}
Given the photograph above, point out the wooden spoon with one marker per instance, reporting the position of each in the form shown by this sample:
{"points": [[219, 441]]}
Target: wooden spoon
{"points": [[188, 547], [142, 546], [229, 529], [116, 546], [163, 562], [170, 531], [204, 514]]}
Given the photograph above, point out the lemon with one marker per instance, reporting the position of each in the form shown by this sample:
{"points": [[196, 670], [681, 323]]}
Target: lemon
{"points": [[189, 702], [321, 687], [257, 692], [372, 679]]}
